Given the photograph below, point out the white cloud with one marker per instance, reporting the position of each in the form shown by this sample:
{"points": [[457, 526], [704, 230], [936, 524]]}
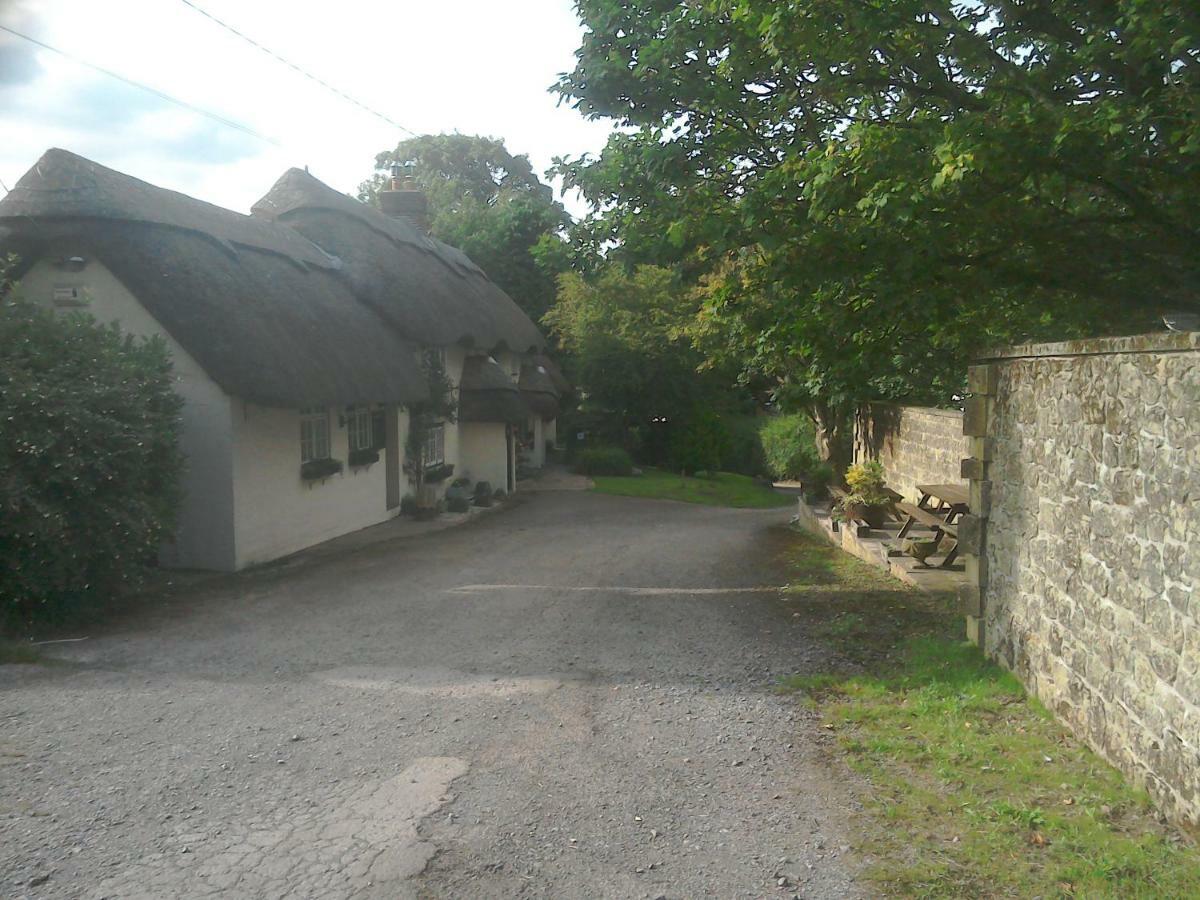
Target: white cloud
{"points": [[473, 66]]}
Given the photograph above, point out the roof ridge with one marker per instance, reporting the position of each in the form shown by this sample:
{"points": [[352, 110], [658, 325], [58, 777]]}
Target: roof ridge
{"points": [[62, 184]]}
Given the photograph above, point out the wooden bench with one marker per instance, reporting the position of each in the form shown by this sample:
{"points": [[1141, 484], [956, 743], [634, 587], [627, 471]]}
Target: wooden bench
{"points": [[919, 515]]}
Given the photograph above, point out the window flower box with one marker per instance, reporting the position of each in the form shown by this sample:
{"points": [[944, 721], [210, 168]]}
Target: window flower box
{"points": [[438, 473], [364, 457], [316, 469]]}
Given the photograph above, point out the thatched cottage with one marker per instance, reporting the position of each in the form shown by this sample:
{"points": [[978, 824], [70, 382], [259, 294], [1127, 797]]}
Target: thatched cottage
{"points": [[296, 333]]}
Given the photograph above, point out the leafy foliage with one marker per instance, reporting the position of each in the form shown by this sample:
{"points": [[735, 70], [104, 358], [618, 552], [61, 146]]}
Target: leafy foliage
{"points": [[488, 203], [89, 462], [701, 444], [623, 335], [866, 484], [867, 193], [440, 406], [788, 446]]}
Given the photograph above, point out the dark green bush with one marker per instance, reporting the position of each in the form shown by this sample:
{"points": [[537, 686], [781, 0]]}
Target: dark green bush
{"points": [[789, 446], [603, 461], [458, 503], [89, 462], [743, 453], [817, 481], [701, 444]]}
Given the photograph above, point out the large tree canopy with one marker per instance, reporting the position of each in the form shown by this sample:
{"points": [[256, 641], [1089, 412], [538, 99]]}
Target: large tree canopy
{"points": [[488, 203], [870, 190], [622, 334]]}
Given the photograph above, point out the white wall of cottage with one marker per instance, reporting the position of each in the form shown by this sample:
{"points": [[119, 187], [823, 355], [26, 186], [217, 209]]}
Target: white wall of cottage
{"points": [[485, 453], [276, 511]]}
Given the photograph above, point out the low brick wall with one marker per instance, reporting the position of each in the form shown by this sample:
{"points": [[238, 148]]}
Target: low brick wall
{"points": [[916, 444], [1086, 477]]}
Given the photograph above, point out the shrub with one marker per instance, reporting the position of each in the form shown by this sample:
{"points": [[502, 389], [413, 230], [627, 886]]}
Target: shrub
{"points": [[604, 461], [817, 481], [700, 445], [89, 462], [408, 505], [743, 453], [458, 503], [789, 446]]}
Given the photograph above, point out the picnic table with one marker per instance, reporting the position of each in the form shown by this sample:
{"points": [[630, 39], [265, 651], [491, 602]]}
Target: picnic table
{"points": [[952, 501]]}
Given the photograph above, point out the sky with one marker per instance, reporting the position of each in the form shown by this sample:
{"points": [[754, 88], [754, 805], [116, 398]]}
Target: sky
{"points": [[471, 66]]}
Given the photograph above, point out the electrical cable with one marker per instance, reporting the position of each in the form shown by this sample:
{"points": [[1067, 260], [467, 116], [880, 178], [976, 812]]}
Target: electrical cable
{"points": [[291, 65], [230, 123]]}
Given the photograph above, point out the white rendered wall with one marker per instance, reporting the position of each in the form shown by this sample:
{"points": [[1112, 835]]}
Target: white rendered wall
{"points": [[485, 453], [277, 512], [538, 457], [204, 533]]}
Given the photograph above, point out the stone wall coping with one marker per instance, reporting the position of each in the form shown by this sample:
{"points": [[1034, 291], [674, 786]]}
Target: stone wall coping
{"points": [[927, 410], [1158, 342]]}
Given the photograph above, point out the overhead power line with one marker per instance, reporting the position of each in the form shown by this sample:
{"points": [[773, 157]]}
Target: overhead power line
{"points": [[291, 65], [229, 123]]}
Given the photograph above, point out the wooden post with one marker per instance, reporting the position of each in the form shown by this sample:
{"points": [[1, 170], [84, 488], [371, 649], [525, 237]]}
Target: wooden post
{"points": [[972, 535]]}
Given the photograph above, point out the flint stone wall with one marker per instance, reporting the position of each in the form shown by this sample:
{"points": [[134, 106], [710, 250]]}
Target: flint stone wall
{"points": [[916, 444], [1092, 546]]}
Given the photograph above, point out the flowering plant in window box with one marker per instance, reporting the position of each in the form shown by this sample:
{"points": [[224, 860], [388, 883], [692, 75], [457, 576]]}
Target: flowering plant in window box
{"points": [[364, 457], [438, 473], [316, 469]]}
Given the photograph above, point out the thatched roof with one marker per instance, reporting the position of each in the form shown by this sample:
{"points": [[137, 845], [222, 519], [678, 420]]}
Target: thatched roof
{"points": [[263, 311], [487, 394], [431, 292], [538, 388], [561, 385]]}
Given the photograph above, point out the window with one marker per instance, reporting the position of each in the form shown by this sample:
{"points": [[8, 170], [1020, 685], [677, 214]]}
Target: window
{"points": [[435, 357], [314, 434], [434, 453], [359, 422]]}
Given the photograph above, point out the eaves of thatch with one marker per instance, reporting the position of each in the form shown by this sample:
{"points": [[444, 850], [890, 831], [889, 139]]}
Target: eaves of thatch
{"points": [[264, 311], [487, 394], [538, 388], [429, 291]]}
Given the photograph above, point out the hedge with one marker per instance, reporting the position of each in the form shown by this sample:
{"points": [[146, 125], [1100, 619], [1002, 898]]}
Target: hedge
{"points": [[89, 461]]}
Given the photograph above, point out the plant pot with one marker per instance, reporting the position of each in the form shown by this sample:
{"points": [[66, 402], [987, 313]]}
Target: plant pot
{"points": [[873, 514]]}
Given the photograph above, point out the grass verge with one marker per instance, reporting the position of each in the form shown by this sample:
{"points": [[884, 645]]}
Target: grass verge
{"points": [[17, 652], [719, 489], [975, 790]]}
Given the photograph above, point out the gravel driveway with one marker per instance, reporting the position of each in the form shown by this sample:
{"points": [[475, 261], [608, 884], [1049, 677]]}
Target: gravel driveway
{"points": [[570, 698]]}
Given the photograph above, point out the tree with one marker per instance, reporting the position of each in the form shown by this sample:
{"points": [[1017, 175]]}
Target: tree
{"points": [[622, 333], [488, 203], [89, 462], [867, 193]]}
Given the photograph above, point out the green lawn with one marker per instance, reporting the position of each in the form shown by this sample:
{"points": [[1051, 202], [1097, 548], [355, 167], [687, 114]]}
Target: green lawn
{"points": [[973, 789], [721, 489]]}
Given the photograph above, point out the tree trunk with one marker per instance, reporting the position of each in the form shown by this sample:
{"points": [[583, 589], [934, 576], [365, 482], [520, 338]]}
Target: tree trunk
{"points": [[830, 421]]}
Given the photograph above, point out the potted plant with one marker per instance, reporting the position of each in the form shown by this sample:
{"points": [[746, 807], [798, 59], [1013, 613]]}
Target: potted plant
{"points": [[868, 499]]}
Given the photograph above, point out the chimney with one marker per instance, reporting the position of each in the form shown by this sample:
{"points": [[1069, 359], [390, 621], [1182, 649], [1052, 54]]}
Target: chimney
{"points": [[402, 199]]}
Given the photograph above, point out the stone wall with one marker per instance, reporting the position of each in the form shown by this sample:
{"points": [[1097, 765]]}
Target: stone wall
{"points": [[917, 445], [1086, 543]]}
